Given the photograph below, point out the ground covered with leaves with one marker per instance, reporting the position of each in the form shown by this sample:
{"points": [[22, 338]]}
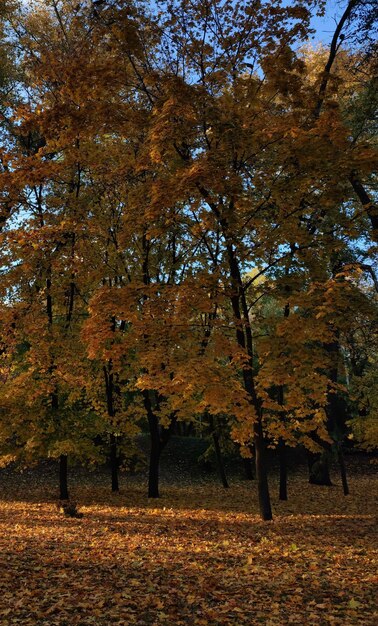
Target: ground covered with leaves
{"points": [[198, 556]]}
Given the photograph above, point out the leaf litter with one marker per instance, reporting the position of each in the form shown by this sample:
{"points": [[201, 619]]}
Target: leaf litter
{"points": [[199, 556]]}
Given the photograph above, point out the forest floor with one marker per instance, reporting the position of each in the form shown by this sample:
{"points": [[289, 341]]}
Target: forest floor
{"points": [[198, 556]]}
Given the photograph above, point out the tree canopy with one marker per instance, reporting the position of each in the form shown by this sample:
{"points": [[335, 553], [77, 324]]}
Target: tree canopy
{"points": [[188, 227]]}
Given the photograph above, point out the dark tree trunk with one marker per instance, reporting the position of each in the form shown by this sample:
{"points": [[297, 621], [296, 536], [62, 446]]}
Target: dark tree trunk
{"points": [[153, 420], [248, 469], [114, 462], [282, 493], [367, 203], [318, 464], [283, 470], [319, 469], [218, 453], [63, 478], [336, 408], [261, 473], [155, 449], [188, 429], [159, 439], [281, 443], [153, 475], [244, 340], [111, 389], [343, 473]]}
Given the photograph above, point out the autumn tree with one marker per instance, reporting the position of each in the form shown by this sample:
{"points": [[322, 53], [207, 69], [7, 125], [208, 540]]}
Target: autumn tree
{"points": [[248, 157], [168, 160], [43, 250]]}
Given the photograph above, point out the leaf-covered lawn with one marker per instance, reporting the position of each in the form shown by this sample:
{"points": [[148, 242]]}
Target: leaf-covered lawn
{"points": [[198, 556]]}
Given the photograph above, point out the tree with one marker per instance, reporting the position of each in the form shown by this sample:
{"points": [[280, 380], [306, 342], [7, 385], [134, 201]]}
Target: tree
{"points": [[184, 147]]}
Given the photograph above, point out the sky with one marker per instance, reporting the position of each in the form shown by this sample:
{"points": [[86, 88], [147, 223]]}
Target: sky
{"points": [[325, 26]]}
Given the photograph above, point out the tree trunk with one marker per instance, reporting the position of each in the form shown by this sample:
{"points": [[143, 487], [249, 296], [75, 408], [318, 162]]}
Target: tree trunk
{"points": [[111, 389], [114, 462], [248, 469], [155, 449], [319, 469], [261, 473], [218, 453], [343, 474], [63, 478], [283, 470], [281, 443], [244, 339], [153, 476]]}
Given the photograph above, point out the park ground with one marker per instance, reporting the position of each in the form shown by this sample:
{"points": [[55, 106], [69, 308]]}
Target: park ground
{"points": [[198, 556]]}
